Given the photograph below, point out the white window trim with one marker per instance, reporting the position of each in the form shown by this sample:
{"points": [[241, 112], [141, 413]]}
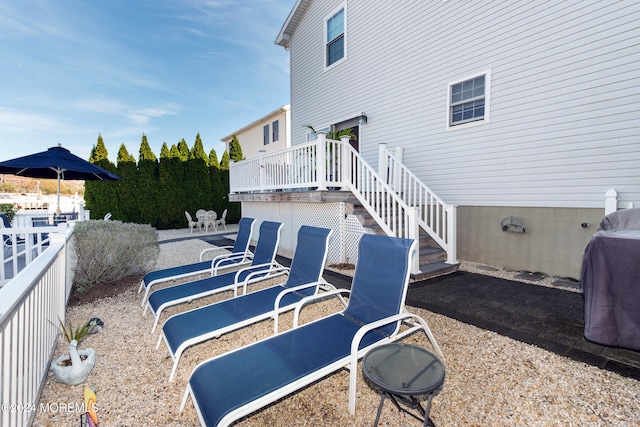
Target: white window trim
{"points": [[324, 37], [487, 101]]}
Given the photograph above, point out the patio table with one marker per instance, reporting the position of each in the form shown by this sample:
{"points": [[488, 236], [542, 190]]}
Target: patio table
{"points": [[405, 374]]}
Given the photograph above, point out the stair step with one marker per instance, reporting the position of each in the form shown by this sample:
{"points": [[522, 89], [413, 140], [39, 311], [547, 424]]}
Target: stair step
{"points": [[433, 270], [431, 255]]}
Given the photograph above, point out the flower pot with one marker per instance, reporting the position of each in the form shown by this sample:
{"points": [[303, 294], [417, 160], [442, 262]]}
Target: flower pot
{"points": [[74, 368]]}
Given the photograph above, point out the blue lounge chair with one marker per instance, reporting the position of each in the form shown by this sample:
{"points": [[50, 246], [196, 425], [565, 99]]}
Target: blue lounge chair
{"points": [[239, 255], [262, 266], [235, 384], [304, 279]]}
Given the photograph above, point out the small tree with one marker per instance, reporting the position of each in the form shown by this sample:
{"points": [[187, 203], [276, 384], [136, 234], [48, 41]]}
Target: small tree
{"points": [[101, 196], [147, 184], [127, 189], [235, 150]]}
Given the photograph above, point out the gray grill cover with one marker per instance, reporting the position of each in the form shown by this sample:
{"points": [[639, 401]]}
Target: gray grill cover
{"points": [[610, 279]]}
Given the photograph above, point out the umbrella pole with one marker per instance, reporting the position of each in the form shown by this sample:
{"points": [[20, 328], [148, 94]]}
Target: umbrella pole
{"points": [[58, 211]]}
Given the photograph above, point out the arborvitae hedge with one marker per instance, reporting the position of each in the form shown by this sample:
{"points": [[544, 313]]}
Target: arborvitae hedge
{"points": [[159, 192]]}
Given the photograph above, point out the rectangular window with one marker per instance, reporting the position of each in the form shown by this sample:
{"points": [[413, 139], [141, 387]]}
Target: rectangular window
{"points": [[265, 134], [467, 101], [275, 130], [335, 40]]}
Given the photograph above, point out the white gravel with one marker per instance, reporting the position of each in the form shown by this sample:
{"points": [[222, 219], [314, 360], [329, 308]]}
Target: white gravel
{"points": [[491, 380]]}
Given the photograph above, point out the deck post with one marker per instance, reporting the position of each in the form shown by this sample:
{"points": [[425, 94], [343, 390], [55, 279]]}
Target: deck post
{"points": [[262, 174], [451, 237], [321, 161], [414, 233], [610, 201]]}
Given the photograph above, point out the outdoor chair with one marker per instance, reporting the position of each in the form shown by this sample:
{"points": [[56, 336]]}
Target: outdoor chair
{"points": [[263, 265], [223, 220], [210, 221], [304, 279], [230, 386], [200, 214], [239, 255], [190, 221]]}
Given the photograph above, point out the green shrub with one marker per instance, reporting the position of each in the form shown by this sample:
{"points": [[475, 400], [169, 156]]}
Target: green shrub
{"points": [[108, 251], [8, 209]]}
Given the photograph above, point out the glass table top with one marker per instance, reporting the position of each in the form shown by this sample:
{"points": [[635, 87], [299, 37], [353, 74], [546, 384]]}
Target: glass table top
{"points": [[403, 369]]}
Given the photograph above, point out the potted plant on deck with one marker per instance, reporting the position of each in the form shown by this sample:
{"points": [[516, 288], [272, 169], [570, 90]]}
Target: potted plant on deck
{"points": [[73, 368]]}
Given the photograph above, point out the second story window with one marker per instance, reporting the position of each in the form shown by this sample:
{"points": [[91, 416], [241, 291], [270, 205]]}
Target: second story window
{"points": [[468, 101], [275, 130], [335, 40], [265, 134]]}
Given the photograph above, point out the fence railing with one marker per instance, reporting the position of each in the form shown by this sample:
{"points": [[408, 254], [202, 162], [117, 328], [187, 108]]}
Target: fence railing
{"points": [[30, 306], [21, 246], [436, 217]]}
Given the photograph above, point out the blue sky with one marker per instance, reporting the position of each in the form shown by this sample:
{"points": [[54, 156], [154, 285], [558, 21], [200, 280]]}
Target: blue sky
{"points": [[73, 69]]}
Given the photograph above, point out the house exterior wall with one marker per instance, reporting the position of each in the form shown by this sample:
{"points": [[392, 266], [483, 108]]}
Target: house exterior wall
{"points": [[564, 119], [553, 242], [251, 139], [563, 108]]}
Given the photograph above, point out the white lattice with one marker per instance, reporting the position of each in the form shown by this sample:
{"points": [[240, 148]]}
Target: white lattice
{"points": [[353, 230], [343, 246]]}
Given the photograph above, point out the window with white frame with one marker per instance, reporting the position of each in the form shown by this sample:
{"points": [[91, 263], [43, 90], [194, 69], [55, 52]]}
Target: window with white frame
{"points": [[468, 100], [335, 37], [275, 130], [265, 135]]}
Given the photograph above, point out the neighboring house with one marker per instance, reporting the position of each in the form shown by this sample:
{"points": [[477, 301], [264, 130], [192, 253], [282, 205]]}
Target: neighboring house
{"points": [[269, 133], [528, 110]]}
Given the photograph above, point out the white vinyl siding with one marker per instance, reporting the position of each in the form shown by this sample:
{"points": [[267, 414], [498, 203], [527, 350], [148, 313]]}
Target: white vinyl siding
{"points": [[565, 108]]}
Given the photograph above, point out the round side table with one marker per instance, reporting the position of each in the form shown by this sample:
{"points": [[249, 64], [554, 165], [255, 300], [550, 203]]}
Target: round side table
{"points": [[406, 374]]}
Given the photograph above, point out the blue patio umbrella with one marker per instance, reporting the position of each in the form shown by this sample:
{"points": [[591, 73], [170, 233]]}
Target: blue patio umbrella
{"points": [[56, 162]]}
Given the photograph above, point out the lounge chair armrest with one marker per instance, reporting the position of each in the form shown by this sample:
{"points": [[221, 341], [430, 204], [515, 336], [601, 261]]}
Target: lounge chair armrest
{"points": [[273, 266], [279, 269], [220, 260], [355, 344], [311, 298], [217, 248], [276, 304]]}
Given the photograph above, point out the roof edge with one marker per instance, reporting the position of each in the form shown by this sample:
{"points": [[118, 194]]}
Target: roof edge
{"points": [[290, 24], [275, 112]]}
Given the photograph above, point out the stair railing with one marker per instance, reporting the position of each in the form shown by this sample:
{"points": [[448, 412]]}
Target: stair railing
{"points": [[434, 216], [389, 211]]}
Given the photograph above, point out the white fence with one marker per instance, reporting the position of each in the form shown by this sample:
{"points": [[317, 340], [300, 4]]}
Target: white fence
{"points": [[394, 197], [30, 306]]}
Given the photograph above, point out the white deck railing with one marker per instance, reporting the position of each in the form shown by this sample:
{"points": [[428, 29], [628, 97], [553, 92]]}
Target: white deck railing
{"points": [[396, 199], [30, 306], [436, 217]]}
